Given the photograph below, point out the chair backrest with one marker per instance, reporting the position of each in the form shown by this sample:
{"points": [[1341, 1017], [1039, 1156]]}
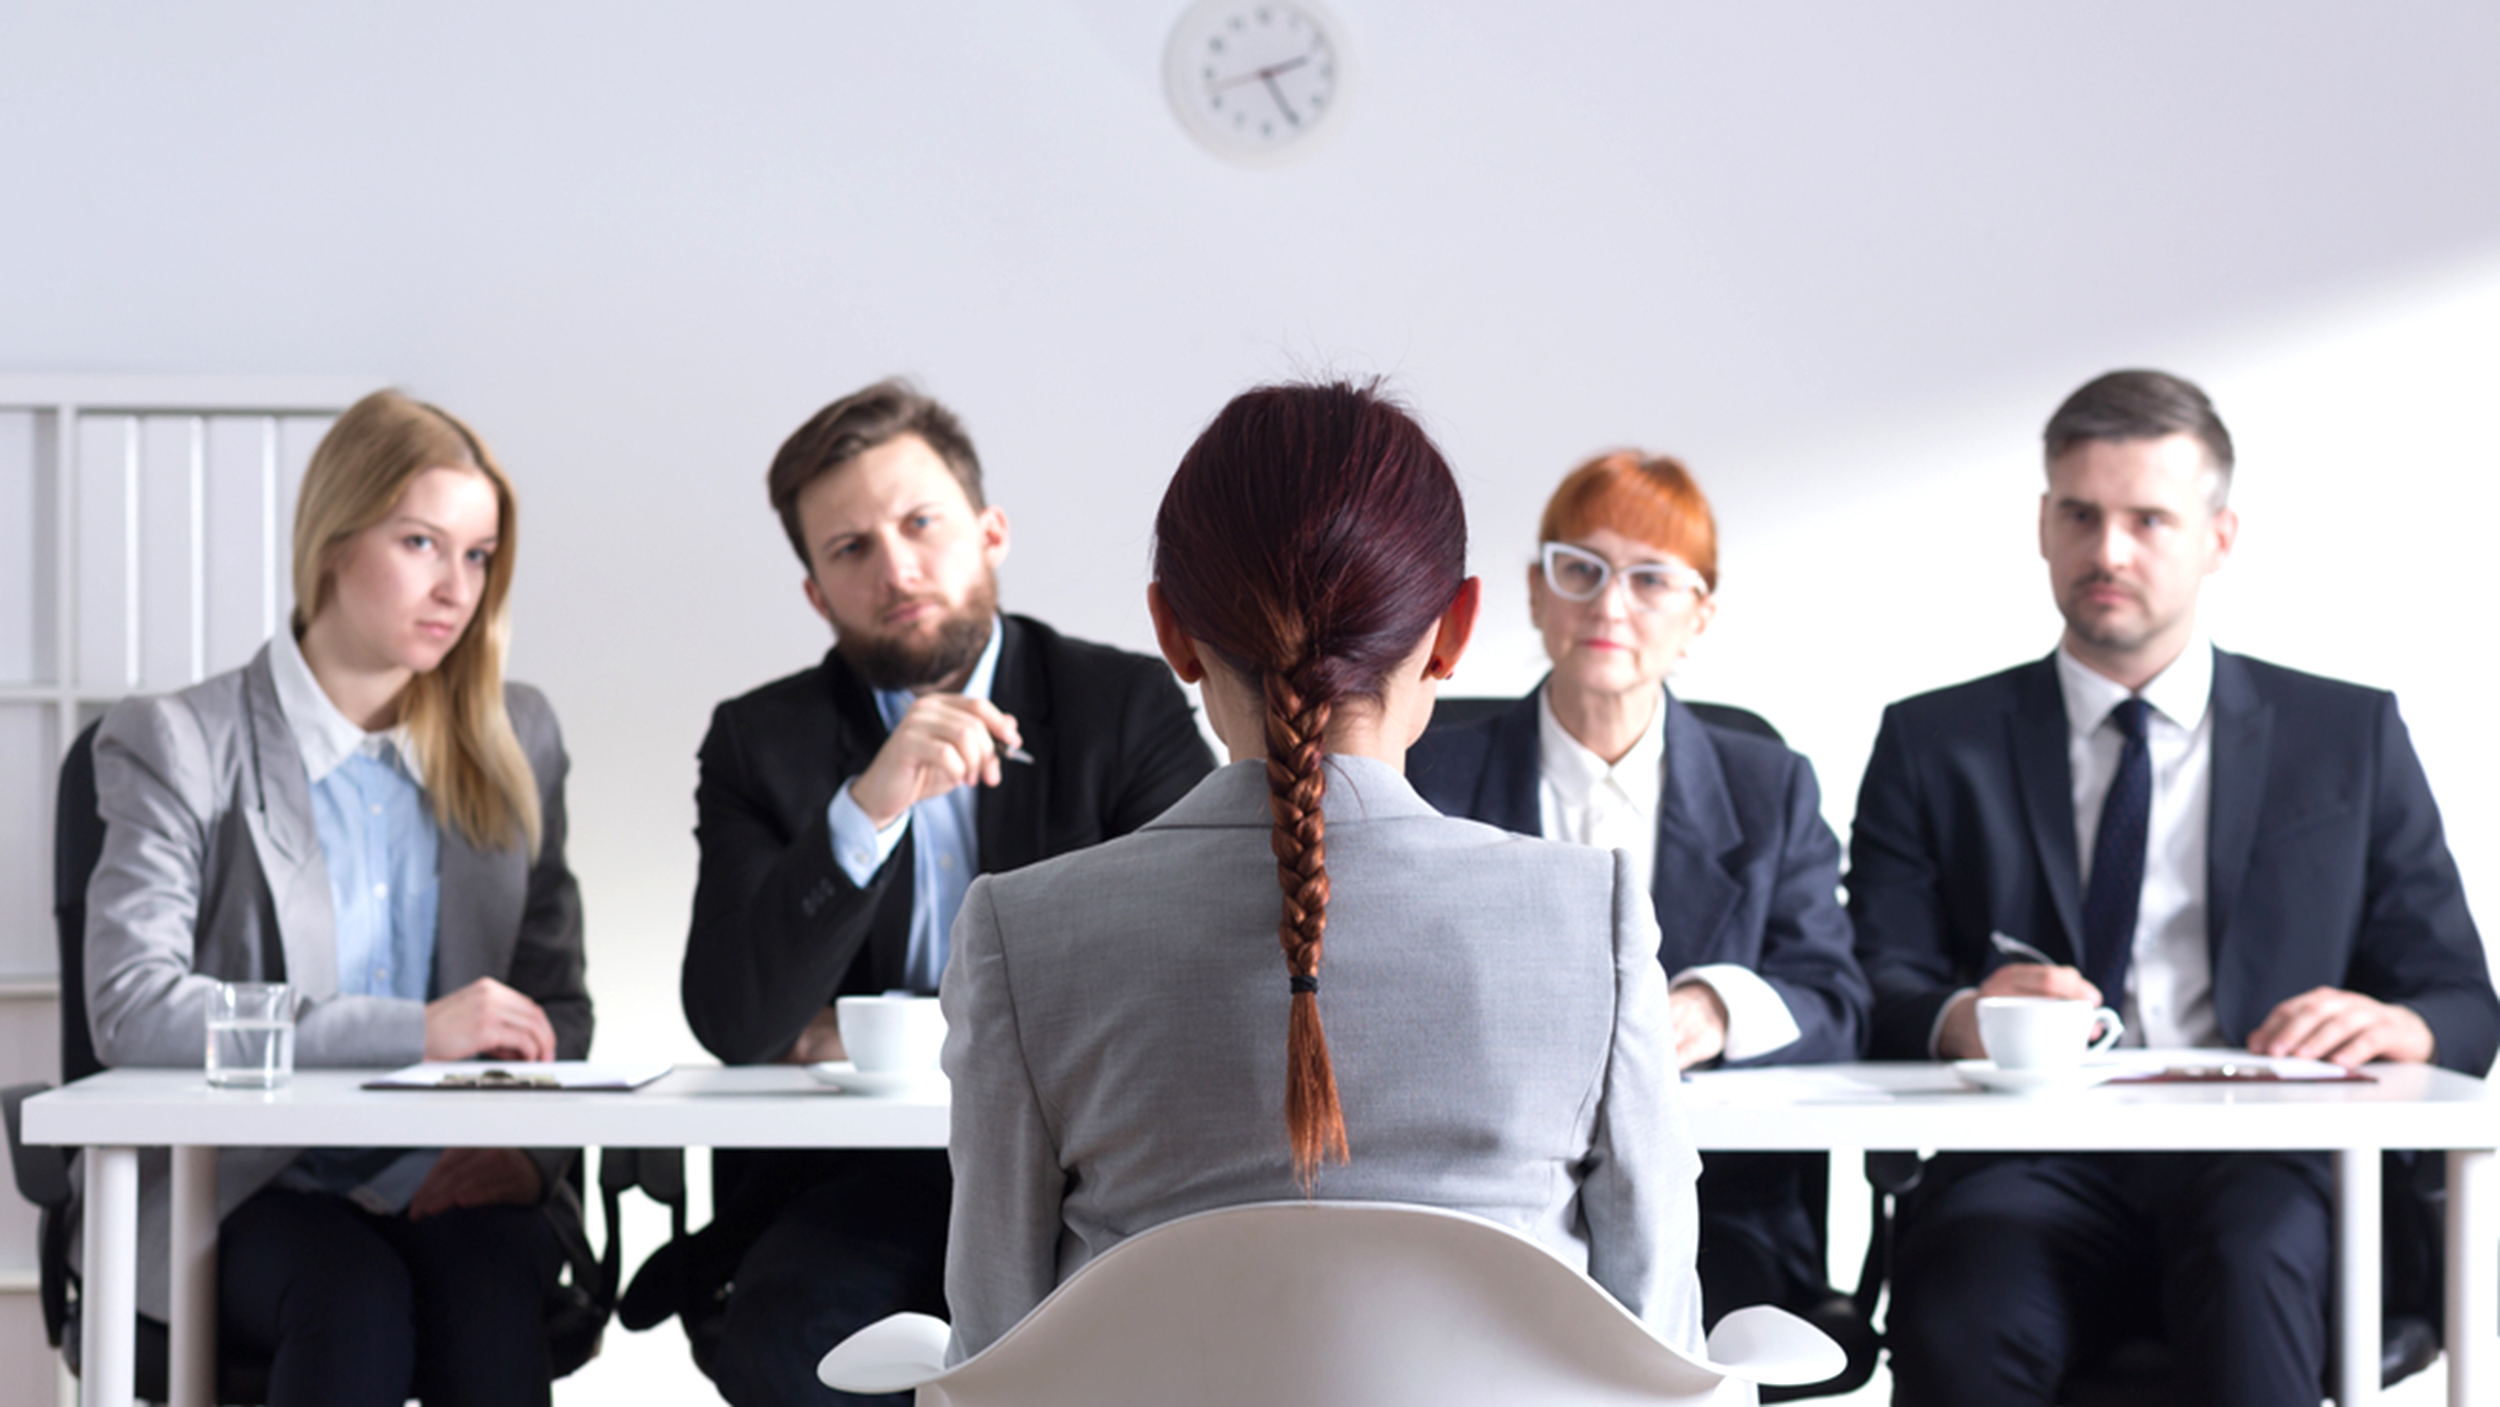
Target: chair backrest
{"points": [[1459, 710], [77, 843], [1349, 1302]]}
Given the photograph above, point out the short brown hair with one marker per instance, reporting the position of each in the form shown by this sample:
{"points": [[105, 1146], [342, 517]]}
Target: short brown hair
{"points": [[1648, 498], [2143, 405], [856, 424]]}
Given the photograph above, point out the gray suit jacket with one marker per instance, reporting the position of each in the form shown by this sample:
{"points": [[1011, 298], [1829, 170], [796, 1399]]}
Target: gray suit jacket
{"points": [[212, 871], [1495, 1013]]}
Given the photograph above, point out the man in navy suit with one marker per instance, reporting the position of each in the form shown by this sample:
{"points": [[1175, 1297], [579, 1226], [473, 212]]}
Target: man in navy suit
{"points": [[2231, 853]]}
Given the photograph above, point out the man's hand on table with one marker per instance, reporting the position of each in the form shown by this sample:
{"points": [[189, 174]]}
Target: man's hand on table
{"points": [[822, 1040], [1700, 1023], [2328, 1023]]}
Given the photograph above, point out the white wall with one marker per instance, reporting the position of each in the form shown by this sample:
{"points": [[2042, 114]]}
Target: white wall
{"points": [[1843, 258]]}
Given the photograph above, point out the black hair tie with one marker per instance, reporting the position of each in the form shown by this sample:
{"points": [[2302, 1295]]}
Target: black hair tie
{"points": [[1299, 984]]}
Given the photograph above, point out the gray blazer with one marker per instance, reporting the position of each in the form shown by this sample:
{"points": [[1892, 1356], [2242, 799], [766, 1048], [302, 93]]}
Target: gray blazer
{"points": [[212, 871], [1494, 1008]]}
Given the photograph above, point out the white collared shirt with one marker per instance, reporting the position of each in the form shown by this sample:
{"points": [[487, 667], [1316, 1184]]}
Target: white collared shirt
{"points": [[2169, 996], [324, 737], [1584, 799]]}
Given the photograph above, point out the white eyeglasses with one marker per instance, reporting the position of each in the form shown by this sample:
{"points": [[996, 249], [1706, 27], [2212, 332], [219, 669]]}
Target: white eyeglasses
{"points": [[1577, 574]]}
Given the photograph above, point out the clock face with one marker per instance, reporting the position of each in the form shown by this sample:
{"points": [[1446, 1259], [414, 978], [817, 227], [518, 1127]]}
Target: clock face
{"points": [[1256, 81]]}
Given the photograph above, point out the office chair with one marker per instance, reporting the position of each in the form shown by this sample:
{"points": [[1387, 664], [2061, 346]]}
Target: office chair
{"points": [[1327, 1303], [576, 1313]]}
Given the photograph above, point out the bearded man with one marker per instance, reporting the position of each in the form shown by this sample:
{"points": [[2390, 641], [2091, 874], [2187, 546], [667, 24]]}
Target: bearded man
{"points": [[843, 811]]}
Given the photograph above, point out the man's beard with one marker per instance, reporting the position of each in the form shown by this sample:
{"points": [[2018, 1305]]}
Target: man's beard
{"points": [[892, 663]]}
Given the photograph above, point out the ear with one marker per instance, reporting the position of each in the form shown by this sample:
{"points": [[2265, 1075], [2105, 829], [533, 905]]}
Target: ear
{"points": [[2044, 527], [1458, 626], [1179, 650], [993, 526], [815, 597], [2226, 531], [1705, 611]]}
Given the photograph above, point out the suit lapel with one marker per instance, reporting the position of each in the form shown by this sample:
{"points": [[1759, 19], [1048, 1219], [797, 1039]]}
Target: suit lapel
{"points": [[479, 917], [2036, 731], [283, 836], [1010, 820], [1506, 791], [2243, 730], [1697, 826]]}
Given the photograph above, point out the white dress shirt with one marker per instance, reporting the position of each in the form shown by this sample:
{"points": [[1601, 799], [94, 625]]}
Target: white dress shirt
{"points": [[1587, 800], [2169, 996]]}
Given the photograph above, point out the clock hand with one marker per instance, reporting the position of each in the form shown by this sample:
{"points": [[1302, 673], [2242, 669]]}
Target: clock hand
{"points": [[1259, 75], [1278, 93]]}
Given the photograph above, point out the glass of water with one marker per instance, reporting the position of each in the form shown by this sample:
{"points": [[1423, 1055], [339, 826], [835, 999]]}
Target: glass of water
{"points": [[251, 1035]]}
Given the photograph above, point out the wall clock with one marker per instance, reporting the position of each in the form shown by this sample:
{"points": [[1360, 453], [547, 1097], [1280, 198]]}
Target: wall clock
{"points": [[1257, 82]]}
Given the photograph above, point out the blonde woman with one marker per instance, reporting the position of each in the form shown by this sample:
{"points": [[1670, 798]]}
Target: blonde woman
{"points": [[369, 813]]}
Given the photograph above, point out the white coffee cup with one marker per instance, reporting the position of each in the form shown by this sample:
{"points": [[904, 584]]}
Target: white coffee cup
{"points": [[895, 1032], [2044, 1033]]}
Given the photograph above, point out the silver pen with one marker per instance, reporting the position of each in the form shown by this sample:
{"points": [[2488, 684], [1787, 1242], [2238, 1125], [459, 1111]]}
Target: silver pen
{"points": [[2014, 947], [1015, 754]]}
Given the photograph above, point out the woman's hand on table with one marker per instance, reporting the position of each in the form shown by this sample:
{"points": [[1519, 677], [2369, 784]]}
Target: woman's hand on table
{"points": [[488, 1019]]}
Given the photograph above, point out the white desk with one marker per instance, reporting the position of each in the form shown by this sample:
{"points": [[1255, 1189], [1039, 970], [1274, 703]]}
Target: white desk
{"points": [[1926, 1107], [1882, 1106], [113, 1114]]}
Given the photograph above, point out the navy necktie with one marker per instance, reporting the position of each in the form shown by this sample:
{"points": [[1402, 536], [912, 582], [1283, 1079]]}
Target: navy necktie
{"points": [[2117, 888]]}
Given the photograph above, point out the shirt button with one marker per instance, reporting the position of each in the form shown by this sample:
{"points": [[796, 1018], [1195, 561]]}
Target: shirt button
{"points": [[377, 808], [946, 862], [381, 891]]}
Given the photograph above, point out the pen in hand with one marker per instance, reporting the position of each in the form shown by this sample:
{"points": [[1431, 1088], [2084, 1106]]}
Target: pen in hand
{"points": [[1015, 754], [2016, 948]]}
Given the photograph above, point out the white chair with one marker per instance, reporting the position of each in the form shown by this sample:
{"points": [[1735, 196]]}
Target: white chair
{"points": [[1322, 1303]]}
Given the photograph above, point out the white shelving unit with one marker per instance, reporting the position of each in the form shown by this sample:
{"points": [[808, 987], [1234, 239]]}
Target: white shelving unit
{"points": [[144, 545]]}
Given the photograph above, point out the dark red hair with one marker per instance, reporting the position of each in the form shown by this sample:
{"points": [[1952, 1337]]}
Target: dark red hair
{"points": [[1310, 538]]}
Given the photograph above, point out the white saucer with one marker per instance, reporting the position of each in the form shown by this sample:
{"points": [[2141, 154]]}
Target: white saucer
{"points": [[2082, 1075], [842, 1076]]}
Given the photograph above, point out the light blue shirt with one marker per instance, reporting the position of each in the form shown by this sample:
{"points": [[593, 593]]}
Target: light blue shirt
{"points": [[383, 850], [945, 857]]}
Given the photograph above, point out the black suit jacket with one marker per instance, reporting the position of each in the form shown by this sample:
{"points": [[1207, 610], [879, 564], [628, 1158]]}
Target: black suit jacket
{"points": [[779, 929], [2325, 863], [1746, 870]]}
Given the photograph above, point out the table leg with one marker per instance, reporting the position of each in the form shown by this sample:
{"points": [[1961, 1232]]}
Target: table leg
{"points": [[191, 1361], [2357, 1329], [2473, 1277], [109, 1305]]}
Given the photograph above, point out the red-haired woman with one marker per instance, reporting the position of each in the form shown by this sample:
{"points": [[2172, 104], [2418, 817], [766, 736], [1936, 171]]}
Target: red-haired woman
{"points": [[1125, 1043], [1723, 828]]}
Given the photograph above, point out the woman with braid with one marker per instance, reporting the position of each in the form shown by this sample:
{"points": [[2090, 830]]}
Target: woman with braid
{"points": [[1301, 980]]}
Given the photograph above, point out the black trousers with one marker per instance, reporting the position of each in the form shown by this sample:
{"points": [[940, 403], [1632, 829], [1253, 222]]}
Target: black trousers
{"points": [[1758, 1238], [2011, 1271], [351, 1308], [866, 1238]]}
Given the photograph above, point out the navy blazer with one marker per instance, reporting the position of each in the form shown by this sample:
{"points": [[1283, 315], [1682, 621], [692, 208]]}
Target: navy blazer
{"points": [[2325, 862], [1747, 872]]}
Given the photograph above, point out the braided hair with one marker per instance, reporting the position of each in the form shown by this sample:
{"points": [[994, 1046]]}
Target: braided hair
{"points": [[1310, 538]]}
